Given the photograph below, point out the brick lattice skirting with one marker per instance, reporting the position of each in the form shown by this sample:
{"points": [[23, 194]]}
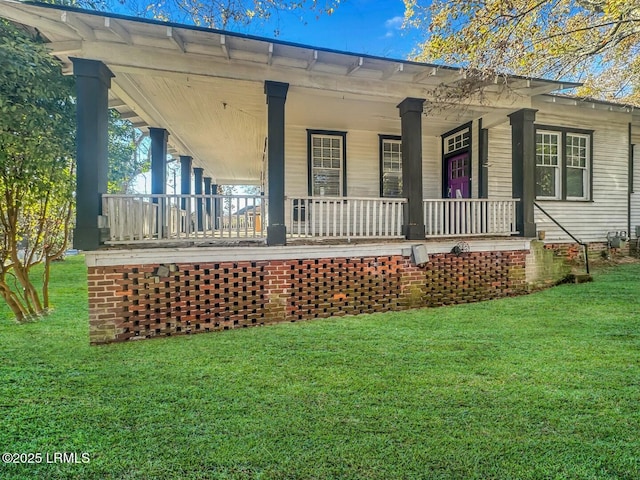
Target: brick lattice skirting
{"points": [[151, 300]]}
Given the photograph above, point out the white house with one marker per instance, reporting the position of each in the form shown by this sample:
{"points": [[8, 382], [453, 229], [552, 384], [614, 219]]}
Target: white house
{"points": [[360, 159]]}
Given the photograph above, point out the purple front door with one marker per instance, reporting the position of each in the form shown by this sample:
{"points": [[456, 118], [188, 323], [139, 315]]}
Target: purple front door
{"points": [[458, 176]]}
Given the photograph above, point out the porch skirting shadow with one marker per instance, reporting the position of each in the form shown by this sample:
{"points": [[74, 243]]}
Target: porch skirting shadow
{"points": [[141, 298]]}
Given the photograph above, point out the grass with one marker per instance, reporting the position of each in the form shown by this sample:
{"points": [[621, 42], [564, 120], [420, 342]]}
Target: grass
{"points": [[534, 387]]}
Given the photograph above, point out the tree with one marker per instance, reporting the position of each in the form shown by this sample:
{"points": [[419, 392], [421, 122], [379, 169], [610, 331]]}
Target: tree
{"points": [[37, 138], [231, 205], [128, 154], [593, 41], [222, 14]]}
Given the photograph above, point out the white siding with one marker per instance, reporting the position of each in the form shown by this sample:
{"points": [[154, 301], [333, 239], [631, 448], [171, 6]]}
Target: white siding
{"points": [[635, 195], [499, 160], [431, 167], [590, 221], [295, 148], [295, 172], [363, 163]]}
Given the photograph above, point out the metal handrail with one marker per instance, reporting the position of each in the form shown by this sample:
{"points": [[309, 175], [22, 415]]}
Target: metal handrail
{"points": [[579, 242]]}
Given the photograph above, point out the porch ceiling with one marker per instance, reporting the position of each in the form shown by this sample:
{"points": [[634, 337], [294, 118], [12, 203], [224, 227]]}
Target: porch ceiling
{"points": [[206, 87], [220, 123], [312, 109]]}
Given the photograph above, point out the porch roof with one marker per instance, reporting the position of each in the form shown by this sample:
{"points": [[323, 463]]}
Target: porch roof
{"points": [[205, 86]]}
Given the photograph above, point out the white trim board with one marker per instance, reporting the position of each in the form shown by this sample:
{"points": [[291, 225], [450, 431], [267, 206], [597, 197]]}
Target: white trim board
{"points": [[154, 256]]}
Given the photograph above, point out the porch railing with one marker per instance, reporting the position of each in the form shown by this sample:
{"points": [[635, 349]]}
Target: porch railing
{"points": [[469, 217], [148, 218], [145, 218], [345, 217]]}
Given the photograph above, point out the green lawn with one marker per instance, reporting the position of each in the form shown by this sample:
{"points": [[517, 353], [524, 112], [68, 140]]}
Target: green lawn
{"points": [[534, 387]]}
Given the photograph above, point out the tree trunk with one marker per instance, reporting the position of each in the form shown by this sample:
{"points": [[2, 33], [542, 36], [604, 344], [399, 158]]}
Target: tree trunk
{"points": [[45, 283], [14, 303]]}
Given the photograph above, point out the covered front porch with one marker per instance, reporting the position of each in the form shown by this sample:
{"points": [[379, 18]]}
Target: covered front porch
{"points": [[338, 145]]}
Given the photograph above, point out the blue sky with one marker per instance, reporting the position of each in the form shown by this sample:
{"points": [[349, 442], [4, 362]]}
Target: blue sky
{"points": [[360, 26]]}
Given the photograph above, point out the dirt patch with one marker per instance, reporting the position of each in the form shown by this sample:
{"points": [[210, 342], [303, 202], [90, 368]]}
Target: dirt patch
{"points": [[600, 263]]}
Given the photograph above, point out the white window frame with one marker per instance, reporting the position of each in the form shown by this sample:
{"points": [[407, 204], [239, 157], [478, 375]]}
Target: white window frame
{"points": [[396, 158], [585, 169], [564, 158], [457, 141], [340, 148], [542, 158]]}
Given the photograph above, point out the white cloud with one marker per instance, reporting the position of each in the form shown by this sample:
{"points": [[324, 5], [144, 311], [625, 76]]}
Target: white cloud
{"points": [[392, 25]]}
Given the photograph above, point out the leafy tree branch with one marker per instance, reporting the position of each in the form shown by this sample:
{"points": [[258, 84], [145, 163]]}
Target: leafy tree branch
{"points": [[593, 41]]}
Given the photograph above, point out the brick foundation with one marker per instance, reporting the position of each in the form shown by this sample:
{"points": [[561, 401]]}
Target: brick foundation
{"points": [[152, 300], [574, 252], [550, 263]]}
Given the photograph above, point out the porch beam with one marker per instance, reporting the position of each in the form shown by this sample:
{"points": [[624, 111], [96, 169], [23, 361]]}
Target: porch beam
{"points": [[84, 30], [452, 78], [64, 47], [411, 127], [186, 163], [387, 74], [197, 184], [425, 75], [493, 119], [118, 30], [354, 67], [276, 93], [42, 23], [176, 39], [93, 80], [313, 59], [116, 102], [523, 168], [224, 48], [542, 89], [128, 115], [270, 54], [519, 84]]}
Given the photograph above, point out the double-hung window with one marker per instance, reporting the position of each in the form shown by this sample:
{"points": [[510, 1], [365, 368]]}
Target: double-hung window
{"points": [[326, 163], [390, 166], [563, 164], [548, 164], [577, 166]]}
